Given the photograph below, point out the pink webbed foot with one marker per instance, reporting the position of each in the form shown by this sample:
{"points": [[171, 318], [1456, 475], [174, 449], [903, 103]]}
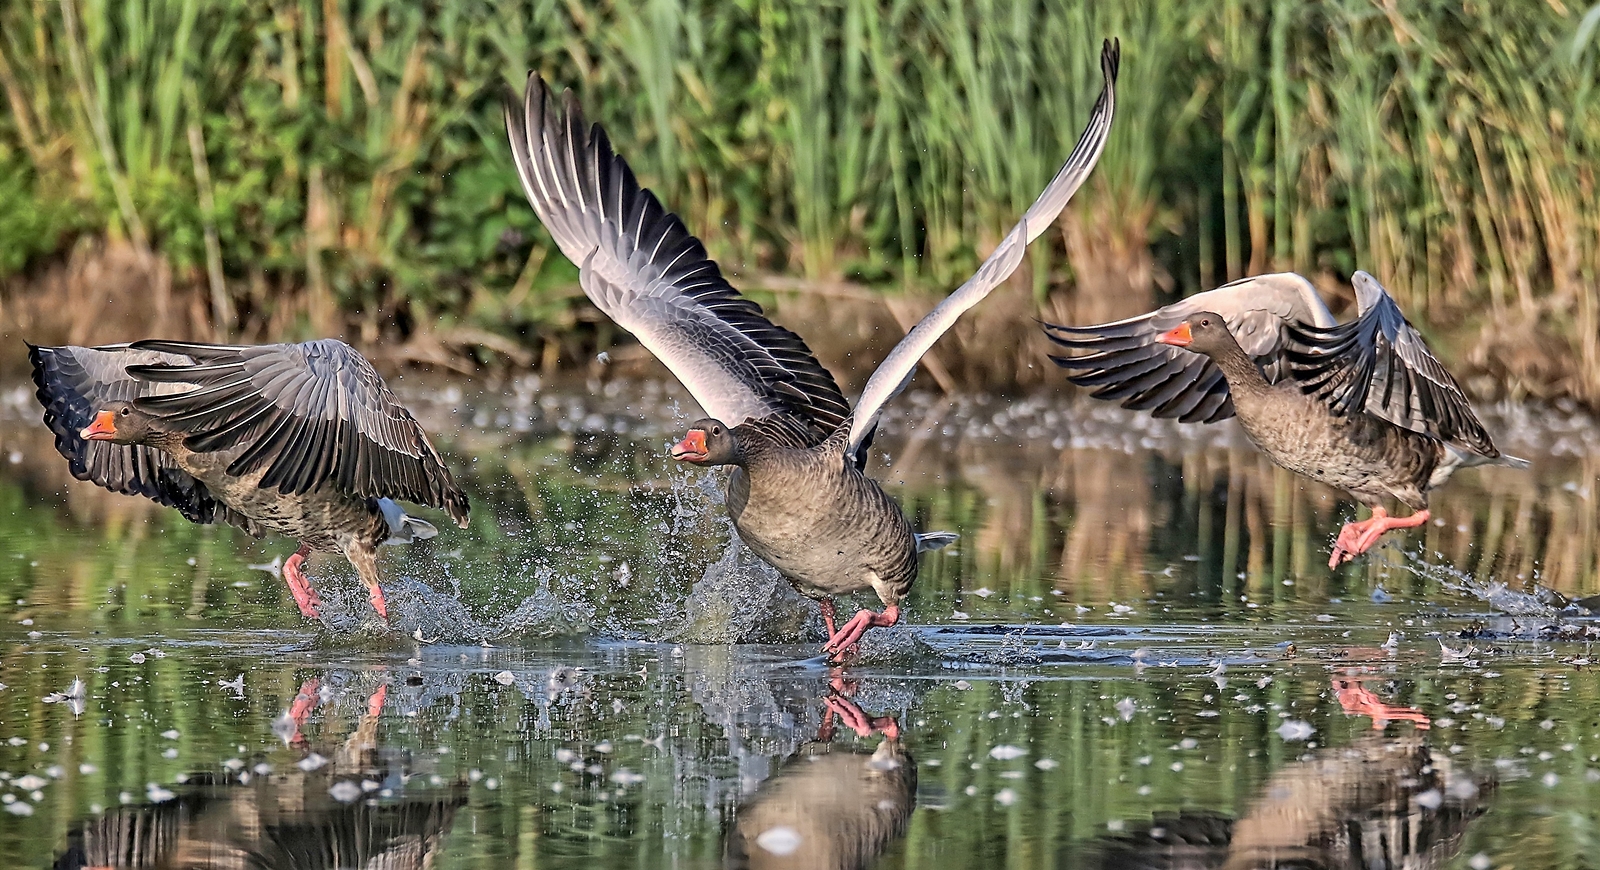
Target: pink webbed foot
{"points": [[843, 644], [304, 596], [376, 699], [856, 719], [1357, 538]]}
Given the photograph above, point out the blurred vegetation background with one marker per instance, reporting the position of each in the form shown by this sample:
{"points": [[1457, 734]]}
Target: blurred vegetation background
{"points": [[284, 169]]}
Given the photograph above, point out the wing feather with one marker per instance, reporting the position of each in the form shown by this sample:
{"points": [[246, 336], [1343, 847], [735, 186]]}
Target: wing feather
{"points": [[306, 414], [1123, 361], [1379, 364], [896, 370], [642, 267], [73, 383]]}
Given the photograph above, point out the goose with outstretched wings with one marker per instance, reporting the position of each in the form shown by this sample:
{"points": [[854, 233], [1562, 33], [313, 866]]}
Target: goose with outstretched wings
{"points": [[1364, 405], [797, 494], [304, 440]]}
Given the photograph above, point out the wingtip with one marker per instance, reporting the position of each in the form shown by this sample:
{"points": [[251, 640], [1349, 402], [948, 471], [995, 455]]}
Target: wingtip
{"points": [[1111, 58]]}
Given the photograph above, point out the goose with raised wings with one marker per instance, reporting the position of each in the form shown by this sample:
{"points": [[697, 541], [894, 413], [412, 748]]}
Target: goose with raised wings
{"points": [[797, 494], [1363, 406], [305, 440]]}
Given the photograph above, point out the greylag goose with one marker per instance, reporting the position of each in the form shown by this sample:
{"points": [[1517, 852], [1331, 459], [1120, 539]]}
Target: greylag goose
{"points": [[797, 494], [300, 439], [1362, 406]]}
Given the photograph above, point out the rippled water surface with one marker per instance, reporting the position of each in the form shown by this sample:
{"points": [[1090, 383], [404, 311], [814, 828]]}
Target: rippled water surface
{"points": [[1135, 656]]}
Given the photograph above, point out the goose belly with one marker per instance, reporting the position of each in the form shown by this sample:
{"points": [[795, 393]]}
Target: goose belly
{"points": [[1368, 458], [842, 540], [323, 518]]}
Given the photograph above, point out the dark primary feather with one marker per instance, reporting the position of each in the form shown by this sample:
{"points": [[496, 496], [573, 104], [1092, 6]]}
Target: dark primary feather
{"points": [[309, 413], [643, 268], [73, 383], [1379, 363], [1123, 362]]}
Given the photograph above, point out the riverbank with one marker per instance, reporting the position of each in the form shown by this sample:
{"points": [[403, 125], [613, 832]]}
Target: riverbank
{"points": [[105, 294]]}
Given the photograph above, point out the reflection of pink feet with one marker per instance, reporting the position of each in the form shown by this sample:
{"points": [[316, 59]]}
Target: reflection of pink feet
{"points": [[1356, 700], [304, 702], [843, 644], [1357, 538], [375, 701], [304, 596], [856, 719]]}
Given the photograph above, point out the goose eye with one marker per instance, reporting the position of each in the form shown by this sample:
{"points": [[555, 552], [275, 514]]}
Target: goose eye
{"points": [[126, 411], [716, 430]]}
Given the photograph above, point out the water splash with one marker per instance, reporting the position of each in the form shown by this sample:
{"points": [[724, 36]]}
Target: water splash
{"points": [[741, 599], [1540, 600]]}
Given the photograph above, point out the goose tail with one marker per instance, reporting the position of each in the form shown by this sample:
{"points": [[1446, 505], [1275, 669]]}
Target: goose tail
{"points": [[404, 528]]}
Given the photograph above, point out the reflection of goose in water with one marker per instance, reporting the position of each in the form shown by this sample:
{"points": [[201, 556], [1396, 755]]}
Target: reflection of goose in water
{"points": [[1378, 803], [829, 806], [318, 818]]}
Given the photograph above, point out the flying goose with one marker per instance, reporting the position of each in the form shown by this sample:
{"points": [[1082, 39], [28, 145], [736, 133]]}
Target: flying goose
{"points": [[1363, 406]]}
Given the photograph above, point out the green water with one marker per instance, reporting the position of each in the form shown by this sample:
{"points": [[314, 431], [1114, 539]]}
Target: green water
{"points": [[1134, 657]]}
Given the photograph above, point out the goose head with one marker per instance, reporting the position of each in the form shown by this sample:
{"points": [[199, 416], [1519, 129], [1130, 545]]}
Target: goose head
{"points": [[1204, 332], [120, 423], [708, 442]]}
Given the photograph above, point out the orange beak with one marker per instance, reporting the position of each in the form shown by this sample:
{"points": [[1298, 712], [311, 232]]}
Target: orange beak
{"points": [[104, 427], [1178, 336], [692, 448]]}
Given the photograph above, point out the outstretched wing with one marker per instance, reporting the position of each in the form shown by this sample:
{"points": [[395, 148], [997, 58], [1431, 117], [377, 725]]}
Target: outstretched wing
{"points": [[308, 413], [1378, 363], [896, 370], [1125, 363], [641, 266], [75, 382]]}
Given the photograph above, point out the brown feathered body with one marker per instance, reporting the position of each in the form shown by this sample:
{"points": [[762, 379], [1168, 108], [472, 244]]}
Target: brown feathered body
{"points": [[827, 528], [1370, 458]]}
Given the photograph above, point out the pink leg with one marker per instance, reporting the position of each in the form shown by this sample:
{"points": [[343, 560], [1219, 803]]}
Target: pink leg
{"points": [[375, 701], [375, 595], [304, 595], [843, 643], [1359, 539], [828, 617]]}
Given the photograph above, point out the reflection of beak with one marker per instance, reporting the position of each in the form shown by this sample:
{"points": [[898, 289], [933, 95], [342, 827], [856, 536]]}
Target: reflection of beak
{"points": [[104, 427], [692, 448], [1178, 336]]}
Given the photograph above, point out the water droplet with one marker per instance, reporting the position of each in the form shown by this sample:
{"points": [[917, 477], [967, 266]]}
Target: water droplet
{"points": [[1295, 730], [781, 840]]}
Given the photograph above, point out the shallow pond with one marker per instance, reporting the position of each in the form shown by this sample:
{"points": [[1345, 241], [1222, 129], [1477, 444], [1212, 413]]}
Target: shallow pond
{"points": [[1134, 657]]}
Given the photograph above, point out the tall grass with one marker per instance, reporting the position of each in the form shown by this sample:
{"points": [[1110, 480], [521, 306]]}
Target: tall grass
{"points": [[338, 166]]}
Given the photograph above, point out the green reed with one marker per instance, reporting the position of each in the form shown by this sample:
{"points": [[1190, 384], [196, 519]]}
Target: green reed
{"points": [[339, 166]]}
